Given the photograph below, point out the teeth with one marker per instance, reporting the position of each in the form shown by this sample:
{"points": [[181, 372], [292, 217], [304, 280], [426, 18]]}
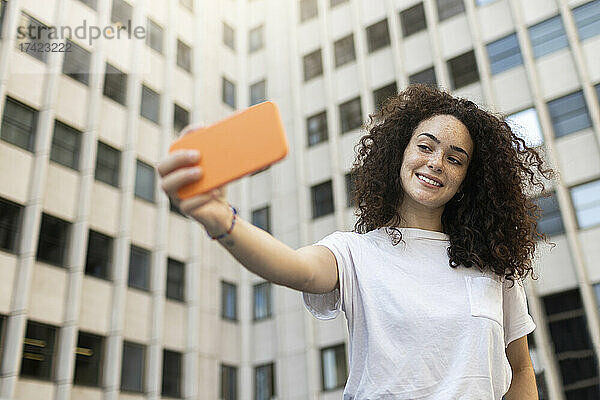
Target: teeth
{"points": [[425, 179]]}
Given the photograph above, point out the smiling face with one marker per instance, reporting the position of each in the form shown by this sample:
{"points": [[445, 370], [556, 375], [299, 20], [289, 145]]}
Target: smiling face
{"points": [[435, 163]]}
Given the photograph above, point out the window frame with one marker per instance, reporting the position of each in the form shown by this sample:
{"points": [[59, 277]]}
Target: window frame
{"points": [[142, 370], [97, 250], [322, 134], [228, 288], [179, 283], [409, 15], [319, 210], [344, 50], [378, 35], [114, 168], [462, 75], [311, 68], [80, 65], [98, 363], [349, 119], [12, 228], [17, 123], [53, 241], [259, 289], [57, 146]]}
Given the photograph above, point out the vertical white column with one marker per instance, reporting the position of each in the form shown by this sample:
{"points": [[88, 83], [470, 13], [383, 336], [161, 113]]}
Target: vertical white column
{"points": [[68, 333], [112, 377], [302, 173], [16, 322], [441, 72]]}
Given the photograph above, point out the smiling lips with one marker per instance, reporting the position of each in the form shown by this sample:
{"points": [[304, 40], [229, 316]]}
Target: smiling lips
{"points": [[430, 180]]}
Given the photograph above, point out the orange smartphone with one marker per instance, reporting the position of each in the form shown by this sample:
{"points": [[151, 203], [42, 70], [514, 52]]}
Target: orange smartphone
{"points": [[245, 142]]}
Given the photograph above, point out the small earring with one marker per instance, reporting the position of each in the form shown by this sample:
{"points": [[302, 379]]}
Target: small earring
{"points": [[462, 195]]}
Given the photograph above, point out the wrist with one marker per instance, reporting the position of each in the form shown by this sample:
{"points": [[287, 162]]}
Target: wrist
{"points": [[220, 221]]}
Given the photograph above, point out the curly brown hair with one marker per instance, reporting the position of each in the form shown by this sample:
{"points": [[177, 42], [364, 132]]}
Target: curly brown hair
{"points": [[494, 226]]}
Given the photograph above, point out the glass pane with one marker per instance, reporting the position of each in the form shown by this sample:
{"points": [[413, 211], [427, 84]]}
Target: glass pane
{"points": [[132, 368], [504, 54], [139, 268], [144, 181], [10, 221], [586, 201], [77, 63], [548, 36], [587, 19], [526, 125]]}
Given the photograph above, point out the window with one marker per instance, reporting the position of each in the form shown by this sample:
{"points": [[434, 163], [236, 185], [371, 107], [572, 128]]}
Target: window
{"points": [[66, 142], [449, 8], [378, 35], [228, 93], [350, 115], [504, 53], [264, 382], [333, 367], [316, 127], [115, 84], [548, 36], [90, 3], [52, 244], [258, 92], [121, 12], [550, 222], [175, 280], [144, 181], [2, 322], [572, 344], [333, 3], [262, 300], [132, 367], [184, 56], [19, 124], [150, 104], [154, 36], [413, 20], [139, 268], [527, 126], [261, 218], [256, 39], [171, 374], [189, 4], [463, 70], [228, 382], [76, 63], [98, 261], [569, 114], [181, 118], [10, 225], [308, 9], [228, 301], [349, 189], [88, 358], [33, 35], [587, 19], [228, 36], [313, 66], [586, 201], [383, 93], [38, 351], [427, 77], [108, 161], [344, 50], [322, 199]]}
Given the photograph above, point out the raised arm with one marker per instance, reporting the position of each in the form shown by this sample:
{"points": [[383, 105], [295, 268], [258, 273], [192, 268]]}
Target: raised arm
{"points": [[311, 269]]}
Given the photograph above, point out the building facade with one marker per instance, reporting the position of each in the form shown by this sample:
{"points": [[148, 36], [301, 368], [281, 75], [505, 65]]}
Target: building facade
{"points": [[107, 292]]}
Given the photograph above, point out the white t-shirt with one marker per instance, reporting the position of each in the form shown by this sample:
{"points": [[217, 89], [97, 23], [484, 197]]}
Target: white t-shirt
{"points": [[418, 328]]}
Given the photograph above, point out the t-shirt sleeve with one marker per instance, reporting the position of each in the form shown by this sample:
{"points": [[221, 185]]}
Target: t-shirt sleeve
{"points": [[328, 305], [517, 321]]}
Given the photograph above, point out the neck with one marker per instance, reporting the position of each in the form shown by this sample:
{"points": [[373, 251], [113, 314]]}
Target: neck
{"points": [[420, 217]]}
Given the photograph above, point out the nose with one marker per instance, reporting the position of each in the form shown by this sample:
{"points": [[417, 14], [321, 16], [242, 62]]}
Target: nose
{"points": [[435, 163]]}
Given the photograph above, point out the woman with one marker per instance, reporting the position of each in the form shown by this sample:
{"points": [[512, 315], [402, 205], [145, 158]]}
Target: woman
{"points": [[443, 225]]}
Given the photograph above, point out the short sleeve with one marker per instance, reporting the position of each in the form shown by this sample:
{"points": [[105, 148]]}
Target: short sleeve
{"points": [[517, 321], [328, 305]]}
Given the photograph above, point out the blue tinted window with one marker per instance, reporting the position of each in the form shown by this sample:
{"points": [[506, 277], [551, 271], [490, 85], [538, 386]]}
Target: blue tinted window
{"points": [[550, 221], [504, 53], [587, 19], [548, 36], [586, 201], [569, 114]]}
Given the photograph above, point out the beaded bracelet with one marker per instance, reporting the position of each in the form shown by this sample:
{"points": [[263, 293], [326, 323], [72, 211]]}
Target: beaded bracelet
{"points": [[221, 236]]}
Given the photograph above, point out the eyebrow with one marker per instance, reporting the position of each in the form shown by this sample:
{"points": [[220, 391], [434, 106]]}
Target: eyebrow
{"points": [[453, 147]]}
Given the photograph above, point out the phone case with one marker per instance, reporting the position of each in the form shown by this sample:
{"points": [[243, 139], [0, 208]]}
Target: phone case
{"points": [[243, 143]]}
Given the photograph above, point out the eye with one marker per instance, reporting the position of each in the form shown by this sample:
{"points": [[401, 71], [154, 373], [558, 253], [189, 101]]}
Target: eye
{"points": [[424, 147], [454, 161]]}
